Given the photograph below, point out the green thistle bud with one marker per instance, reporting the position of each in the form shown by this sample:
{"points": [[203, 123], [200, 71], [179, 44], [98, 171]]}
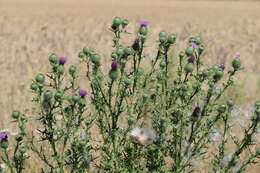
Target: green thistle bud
{"points": [[22, 149], [143, 30], [162, 34], [58, 95], [113, 55], [75, 97], [192, 39], [181, 54], [95, 58], [53, 59], [257, 111], [125, 22], [163, 64], [34, 86], [201, 49], [47, 95], [189, 67], [72, 69], [87, 50], [81, 54], [218, 74], [18, 137], [236, 63], [40, 78], [205, 73], [222, 108], [128, 51], [163, 39], [257, 104], [189, 51], [4, 144], [15, 114], [128, 82], [171, 38], [230, 103], [60, 69], [120, 51], [198, 40], [117, 21], [113, 74]]}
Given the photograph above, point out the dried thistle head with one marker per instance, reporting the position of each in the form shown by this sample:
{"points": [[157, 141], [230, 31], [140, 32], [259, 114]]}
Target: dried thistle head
{"points": [[142, 136]]}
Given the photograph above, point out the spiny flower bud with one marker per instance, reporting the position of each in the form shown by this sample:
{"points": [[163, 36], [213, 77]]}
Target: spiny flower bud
{"points": [[181, 54], [120, 51], [125, 22], [81, 54], [40, 78], [218, 74], [53, 59], [222, 108], [236, 63], [117, 21], [143, 30], [95, 58], [18, 137], [257, 104], [230, 103], [113, 74], [201, 49], [188, 67], [162, 34], [58, 95], [171, 38], [128, 51], [72, 69], [47, 95], [74, 97], [198, 40], [62, 60], [15, 114], [34, 86], [87, 50], [60, 69], [189, 51]]}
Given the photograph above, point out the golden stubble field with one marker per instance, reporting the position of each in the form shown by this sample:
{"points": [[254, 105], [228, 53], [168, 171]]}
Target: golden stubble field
{"points": [[32, 29]]}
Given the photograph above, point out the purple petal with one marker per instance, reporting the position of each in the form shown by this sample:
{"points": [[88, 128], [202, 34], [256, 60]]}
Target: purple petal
{"points": [[3, 135], [82, 93], [193, 44], [143, 23]]}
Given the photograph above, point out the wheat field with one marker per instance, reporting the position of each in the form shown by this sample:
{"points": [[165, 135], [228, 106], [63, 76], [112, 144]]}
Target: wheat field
{"points": [[32, 29]]}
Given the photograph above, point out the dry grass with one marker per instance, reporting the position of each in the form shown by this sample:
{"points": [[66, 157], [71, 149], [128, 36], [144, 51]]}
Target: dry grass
{"points": [[31, 29]]}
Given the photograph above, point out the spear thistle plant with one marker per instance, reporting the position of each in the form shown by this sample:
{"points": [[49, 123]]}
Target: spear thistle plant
{"points": [[179, 96]]}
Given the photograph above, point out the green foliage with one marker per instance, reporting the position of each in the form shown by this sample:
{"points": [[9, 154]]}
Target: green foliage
{"points": [[181, 98]]}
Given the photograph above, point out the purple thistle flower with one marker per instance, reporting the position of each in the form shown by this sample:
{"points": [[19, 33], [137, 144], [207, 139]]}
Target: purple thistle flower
{"points": [[3, 135], [237, 55], [193, 44], [196, 111], [62, 60], [114, 65], [82, 93], [222, 66], [143, 23], [191, 59]]}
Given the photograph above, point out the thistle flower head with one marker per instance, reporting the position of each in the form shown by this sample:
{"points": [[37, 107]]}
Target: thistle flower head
{"points": [[62, 60], [114, 65], [193, 44], [143, 23], [191, 59], [222, 66], [142, 136], [82, 93], [237, 55], [3, 135]]}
